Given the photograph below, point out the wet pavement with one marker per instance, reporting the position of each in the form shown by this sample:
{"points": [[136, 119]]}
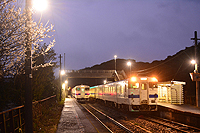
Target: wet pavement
{"points": [[73, 120]]}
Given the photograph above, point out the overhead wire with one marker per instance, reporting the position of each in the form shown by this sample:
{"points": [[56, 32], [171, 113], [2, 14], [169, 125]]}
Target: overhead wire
{"points": [[148, 69]]}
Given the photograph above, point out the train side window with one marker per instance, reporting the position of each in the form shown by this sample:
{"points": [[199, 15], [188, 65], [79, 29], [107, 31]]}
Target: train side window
{"points": [[153, 85], [113, 89], [118, 89], [122, 90]]}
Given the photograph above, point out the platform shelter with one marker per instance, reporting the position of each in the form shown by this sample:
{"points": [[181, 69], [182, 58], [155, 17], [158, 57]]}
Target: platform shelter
{"points": [[171, 92]]}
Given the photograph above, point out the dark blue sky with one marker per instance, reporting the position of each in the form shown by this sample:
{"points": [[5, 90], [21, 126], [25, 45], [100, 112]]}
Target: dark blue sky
{"points": [[90, 32]]}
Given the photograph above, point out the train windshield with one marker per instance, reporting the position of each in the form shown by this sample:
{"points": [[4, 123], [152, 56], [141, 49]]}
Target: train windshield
{"points": [[133, 85], [78, 89], [87, 89], [153, 85]]}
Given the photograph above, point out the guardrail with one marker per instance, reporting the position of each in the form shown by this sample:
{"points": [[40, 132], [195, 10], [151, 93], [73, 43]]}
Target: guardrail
{"points": [[12, 120]]}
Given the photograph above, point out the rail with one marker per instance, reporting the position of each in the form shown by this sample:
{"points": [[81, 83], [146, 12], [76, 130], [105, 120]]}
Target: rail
{"points": [[12, 120]]}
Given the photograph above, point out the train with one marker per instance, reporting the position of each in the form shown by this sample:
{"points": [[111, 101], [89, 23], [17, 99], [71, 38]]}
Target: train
{"points": [[133, 94], [81, 92]]}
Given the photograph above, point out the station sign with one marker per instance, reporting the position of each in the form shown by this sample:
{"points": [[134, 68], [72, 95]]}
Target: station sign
{"points": [[195, 76]]}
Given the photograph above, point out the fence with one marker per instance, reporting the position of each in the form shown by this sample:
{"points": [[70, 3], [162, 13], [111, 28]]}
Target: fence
{"points": [[12, 120]]}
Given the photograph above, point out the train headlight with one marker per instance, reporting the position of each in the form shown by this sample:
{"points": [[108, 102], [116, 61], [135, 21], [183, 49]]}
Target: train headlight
{"points": [[133, 79], [154, 79]]}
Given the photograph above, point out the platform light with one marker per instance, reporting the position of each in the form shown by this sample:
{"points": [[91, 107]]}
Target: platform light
{"points": [[133, 79], [154, 79], [62, 72], [63, 86], [193, 61], [40, 5]]}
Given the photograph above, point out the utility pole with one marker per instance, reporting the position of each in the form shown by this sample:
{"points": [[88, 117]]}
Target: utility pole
{"points": [[60, 78], [115, 56], [196, 70], [28, 72], [64, 61]]}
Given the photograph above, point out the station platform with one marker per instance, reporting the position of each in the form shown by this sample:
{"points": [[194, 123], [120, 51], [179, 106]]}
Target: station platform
{"points": [[74, 120], [187, 114], [183, 108]]}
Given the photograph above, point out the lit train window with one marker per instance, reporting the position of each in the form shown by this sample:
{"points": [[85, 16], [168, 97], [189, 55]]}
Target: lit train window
{"points": [[153, 85], [118, 89], [78, 89], [133, 85]]}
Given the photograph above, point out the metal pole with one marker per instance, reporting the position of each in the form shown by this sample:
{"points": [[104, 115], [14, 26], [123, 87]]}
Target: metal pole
{"points": [[64, 61], [60, 78], [196, 71], [115, 62], [28, 73]]}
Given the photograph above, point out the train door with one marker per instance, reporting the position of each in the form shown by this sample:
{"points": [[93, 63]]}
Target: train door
{"points": [[118, 93], [144, 93]]}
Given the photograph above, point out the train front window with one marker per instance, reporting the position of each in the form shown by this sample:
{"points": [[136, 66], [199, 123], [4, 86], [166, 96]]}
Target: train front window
{"points": [[87, 89], [144, 86], [78, 89], [153, 85], [133, 85]]}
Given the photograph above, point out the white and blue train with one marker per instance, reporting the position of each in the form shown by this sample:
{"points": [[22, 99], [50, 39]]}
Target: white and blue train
{"points": [[134, 94], [81, 92]]}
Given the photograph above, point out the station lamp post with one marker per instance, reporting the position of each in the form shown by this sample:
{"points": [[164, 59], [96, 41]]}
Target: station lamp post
{"points": [[195, 66], [196, 76], [29, 5], [129, 64], [115, 56], [62, 72]]}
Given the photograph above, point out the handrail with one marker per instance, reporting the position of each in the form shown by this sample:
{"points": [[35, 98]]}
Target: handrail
{"points": [[12, 120]]}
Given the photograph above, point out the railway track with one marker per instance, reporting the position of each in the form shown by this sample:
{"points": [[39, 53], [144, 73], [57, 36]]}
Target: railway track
{"points": [[174, 125], [106, 121], [122, 122]]}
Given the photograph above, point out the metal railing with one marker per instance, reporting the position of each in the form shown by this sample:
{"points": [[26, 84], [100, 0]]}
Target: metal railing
{"points": [[12, 120]]}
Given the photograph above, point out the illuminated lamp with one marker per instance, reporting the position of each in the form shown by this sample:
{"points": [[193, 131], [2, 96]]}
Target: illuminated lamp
{"points": [[133, 79], [40, 4], [154, 79], [193, 61]]}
